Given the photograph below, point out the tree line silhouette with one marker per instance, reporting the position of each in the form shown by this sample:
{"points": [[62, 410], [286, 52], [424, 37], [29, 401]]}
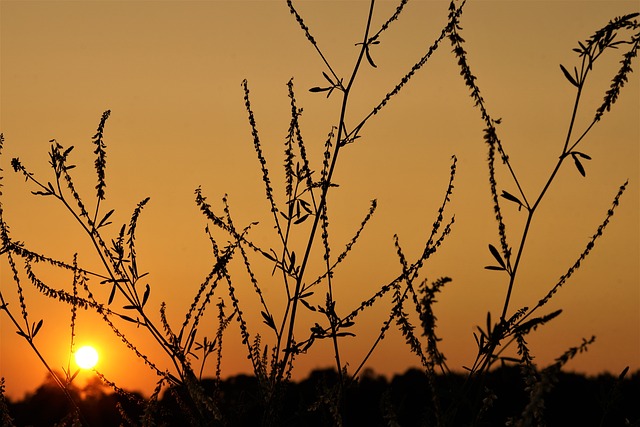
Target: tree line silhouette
{"points": [[373, 400]]}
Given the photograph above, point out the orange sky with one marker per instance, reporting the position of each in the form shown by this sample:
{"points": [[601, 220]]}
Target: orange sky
{"points": [[170, 71]]}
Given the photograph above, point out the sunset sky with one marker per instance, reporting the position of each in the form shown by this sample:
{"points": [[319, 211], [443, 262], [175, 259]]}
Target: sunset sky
{"points": [[171, 73]]}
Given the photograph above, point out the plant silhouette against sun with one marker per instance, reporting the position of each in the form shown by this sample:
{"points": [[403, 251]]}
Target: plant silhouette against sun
{"points": [[302, 209]]}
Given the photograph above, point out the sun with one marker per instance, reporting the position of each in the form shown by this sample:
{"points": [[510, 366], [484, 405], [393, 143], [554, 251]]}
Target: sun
{"points": [[86, 357]]}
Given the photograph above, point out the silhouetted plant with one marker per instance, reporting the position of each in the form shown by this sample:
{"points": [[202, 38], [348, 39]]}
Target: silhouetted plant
{"points": [[302, 209]]}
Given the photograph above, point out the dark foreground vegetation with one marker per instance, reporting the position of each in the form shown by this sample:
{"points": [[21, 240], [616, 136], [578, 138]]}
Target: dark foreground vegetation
{"points": [[574, 400]]}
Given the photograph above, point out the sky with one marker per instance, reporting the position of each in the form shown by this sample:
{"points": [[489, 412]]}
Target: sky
{"points": [[171, 73]]}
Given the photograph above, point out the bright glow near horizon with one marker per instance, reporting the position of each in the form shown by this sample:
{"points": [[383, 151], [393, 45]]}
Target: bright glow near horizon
{"points": [[86, 357]]}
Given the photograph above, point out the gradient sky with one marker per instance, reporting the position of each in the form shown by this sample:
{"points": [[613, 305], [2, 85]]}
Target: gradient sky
{"points": [[170, 71]]}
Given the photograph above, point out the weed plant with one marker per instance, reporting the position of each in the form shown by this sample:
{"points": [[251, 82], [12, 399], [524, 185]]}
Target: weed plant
{"points": [[301, 217]]}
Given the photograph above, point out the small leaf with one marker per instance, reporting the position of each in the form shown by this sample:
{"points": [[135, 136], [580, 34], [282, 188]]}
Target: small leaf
{"points": [[67, 151], [319, 89], [482, 334], [326, 76], [145, 297], [37, 328], [268, 320], [366, 51], [497, 256], [578, 165], [510, 197], [105, 218], [306, 206], [269, 256], [345, 334], [309, 306], [330, 91], [584, 156], [301, 219], [127, 318], [534, 323], [112, 294], [475, 336], [494, 267], [129, 307], [569, 76]]}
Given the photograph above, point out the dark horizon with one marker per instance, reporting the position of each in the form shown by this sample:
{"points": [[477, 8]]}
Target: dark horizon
{"points": [[571, 400]]}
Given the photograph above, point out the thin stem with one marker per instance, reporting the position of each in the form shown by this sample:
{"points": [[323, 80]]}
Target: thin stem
{"points": [[533, 208], [323, 196], [295, 13]]}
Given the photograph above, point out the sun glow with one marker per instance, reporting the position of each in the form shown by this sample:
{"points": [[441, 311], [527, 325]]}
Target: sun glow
{"points": [[86, 357]]}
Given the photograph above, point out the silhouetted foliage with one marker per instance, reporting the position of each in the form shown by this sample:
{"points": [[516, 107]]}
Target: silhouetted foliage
{"points": [[576, 400], [49, 405], [435, 395]]}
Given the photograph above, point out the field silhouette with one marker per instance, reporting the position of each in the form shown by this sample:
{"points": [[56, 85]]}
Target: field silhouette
{"points": [[575, 400]]}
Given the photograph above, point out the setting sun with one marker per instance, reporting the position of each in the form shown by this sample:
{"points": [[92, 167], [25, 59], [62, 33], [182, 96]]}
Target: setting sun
{"points": [[86, 357]]}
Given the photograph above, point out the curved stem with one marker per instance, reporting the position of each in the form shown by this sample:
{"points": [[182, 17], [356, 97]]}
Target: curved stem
{"points": [[532, 209]]}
